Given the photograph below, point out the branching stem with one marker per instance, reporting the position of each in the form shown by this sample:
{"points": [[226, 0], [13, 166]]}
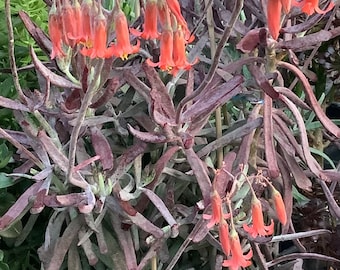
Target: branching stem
{"points": [[11, 51]]}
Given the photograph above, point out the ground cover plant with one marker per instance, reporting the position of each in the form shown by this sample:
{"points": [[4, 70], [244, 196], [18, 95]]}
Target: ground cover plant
{"points": [[173, 135]]}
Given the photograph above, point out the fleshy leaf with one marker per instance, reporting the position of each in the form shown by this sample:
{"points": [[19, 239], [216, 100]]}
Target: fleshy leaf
{"points": [[102, 148], [162, 107], [208, 101]]}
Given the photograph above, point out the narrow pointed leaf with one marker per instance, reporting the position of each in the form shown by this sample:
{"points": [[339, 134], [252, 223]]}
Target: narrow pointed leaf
{"points": [[20, 207], [162, 107], [126, 158], [159, 168], [326, 122], [310, 160], [263, 82], [280, 124], [47, 73], [208, 101], [292, 96], [12, 104], [307, 41], [231, 136], [60, 159], [269, 148], [63, 244], [159, 204], [102, 148], [38, 35], [201, 174], [223, 179], [147, 136], [301, 180]]}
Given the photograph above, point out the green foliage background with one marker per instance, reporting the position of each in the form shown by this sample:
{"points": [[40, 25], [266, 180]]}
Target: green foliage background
{"points": [[13, 256], [38, 13]]}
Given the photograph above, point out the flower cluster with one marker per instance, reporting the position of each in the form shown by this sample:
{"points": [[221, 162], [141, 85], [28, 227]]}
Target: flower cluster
{"points": [[274, 8], [173, 37], [85, 24], [230, 241]]}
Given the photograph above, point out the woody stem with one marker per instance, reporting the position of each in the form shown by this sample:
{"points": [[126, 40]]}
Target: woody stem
{"points": [[11, 51]]}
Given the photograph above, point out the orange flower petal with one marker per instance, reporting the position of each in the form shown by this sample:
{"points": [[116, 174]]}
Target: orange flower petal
{"points": [[280, 207], [237, 258], [216, 206], [274, 17], [123, 47], [55, 32], [179, 53], [150, 22], [224, 236], [258, 228]]}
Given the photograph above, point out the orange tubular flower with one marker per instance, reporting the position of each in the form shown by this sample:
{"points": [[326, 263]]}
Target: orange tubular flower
{"points": [[150, 22], [166, 62], [224, 236], [69, 24], [274, 17], [175, 8], [123, 47], [237, 258], [279, 206], [258, 228], [216, 205], [77, 34], [87, 19], [179, 55], [55, 32], [99, 39], [311, 6]]}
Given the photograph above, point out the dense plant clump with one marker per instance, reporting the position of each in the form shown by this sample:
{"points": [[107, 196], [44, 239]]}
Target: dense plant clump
{"points": [[116, 159]]}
